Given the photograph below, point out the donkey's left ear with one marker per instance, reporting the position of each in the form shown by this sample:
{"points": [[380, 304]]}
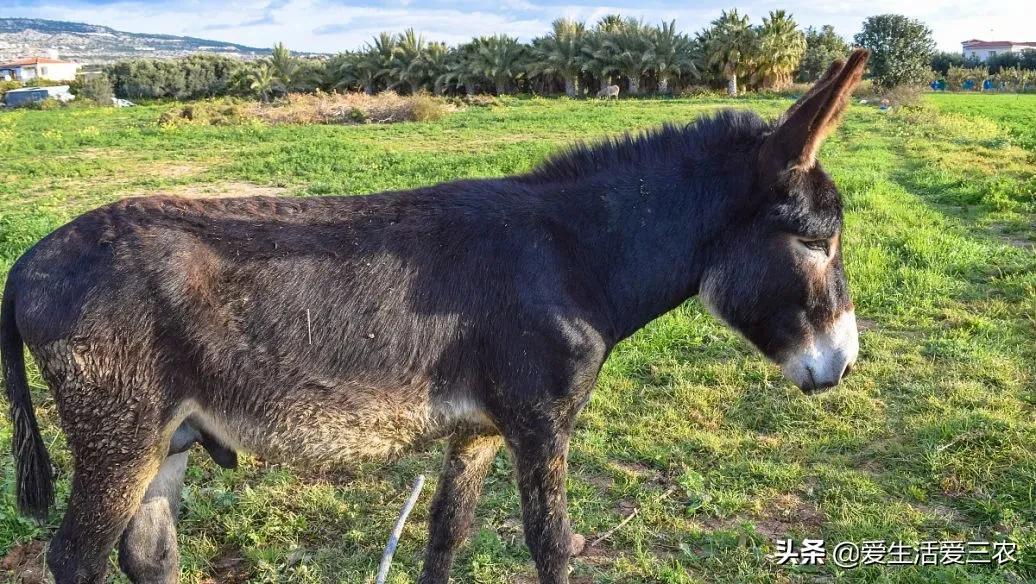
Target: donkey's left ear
{"points": [[793, 145]]}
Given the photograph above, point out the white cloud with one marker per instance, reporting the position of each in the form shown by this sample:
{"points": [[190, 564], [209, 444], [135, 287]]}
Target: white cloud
{"points": [[297, 22]]}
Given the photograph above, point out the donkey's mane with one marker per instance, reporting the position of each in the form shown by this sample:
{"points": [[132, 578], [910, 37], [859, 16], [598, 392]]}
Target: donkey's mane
{"points": [[725, 130]]}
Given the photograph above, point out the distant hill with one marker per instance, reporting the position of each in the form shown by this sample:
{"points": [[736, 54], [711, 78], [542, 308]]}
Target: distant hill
{"points": [[90, 43]]}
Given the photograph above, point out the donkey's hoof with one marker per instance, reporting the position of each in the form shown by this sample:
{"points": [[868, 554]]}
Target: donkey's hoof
{"points": [[578, 544]]}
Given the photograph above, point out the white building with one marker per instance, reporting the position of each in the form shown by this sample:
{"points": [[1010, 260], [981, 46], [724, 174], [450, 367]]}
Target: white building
{"points": [[983, 50], [39, 67]]}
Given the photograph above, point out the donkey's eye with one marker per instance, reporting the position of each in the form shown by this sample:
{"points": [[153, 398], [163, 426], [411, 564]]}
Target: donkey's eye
{"points": [[821, 245]]}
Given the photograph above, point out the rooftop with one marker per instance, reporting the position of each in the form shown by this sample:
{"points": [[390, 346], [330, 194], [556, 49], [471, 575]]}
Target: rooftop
{"points": [[32, 61], [47, 88], [978, 44]]}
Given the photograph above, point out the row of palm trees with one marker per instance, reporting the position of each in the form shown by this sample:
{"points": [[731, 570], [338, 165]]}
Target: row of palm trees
{"points": [[571, 57]]}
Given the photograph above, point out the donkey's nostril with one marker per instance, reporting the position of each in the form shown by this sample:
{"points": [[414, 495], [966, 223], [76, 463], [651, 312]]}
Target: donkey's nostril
{"points": [[848, 369]]}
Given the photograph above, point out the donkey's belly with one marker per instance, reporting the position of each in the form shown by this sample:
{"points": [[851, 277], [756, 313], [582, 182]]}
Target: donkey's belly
{"points": [[336, 429]]}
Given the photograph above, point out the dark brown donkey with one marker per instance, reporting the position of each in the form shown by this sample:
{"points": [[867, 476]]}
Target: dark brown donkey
{"points": [[324, 330]]}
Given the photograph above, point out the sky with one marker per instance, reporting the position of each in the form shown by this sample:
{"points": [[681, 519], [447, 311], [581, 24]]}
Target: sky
{"points": [[330, 26]]}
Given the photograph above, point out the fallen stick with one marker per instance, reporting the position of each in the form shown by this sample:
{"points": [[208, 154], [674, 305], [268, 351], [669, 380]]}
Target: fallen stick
{"points": [[612, 531], [390, 547]]}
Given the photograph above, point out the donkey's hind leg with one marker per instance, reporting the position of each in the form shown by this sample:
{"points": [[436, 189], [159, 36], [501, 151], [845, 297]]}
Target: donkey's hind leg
{"points": [[115, 438], [104, 497], [468, 458], [148, 552]]}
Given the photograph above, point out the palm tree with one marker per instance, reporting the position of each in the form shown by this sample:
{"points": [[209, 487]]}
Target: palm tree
{"points": [[673, 55], [502, 59], [610, 23], [341, 72], [285, 67], [729, 46], [431, 65], [405, 65], [600, 52], [263, 81], [375, 62], [630, 51], [460, 70], [779, 49], [560, 53]]}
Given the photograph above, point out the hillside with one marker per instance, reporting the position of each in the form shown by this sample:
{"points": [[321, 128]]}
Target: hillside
{"points": [[89, 43]]}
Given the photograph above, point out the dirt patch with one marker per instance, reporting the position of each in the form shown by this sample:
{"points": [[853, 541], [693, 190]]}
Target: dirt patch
{"points": [[790, 507], [624, 507], [230, 567], [941, 513], [787, 512], [641, 471], [222, 190], [176, 170], [781, 515], [601, 482], [633, 468], [866, 324], [599, 555], [1017, 239], [25, 564]]}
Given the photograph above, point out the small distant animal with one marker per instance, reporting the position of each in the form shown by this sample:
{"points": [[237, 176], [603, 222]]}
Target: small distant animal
{"points": [[609, 91], [327, 330]]}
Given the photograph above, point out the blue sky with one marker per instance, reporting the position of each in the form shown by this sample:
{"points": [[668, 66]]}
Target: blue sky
{"points": [[335, 25]]}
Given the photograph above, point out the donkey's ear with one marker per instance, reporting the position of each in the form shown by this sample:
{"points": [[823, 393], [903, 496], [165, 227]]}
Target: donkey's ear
{"points": [[802, 129], [821, 83]]}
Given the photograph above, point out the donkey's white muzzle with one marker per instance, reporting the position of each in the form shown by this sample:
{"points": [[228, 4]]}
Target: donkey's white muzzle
{"points": [[827, 359]]}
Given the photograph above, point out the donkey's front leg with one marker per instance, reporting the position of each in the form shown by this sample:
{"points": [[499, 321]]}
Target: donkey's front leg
{"points": [[541, 458], [468, 458]]}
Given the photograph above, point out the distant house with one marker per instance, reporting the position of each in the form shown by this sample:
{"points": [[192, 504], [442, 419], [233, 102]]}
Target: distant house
{"points": [[39, 67], [27, 95], [983, 50]]}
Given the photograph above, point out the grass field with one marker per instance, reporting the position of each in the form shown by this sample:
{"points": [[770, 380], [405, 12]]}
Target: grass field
{"points": [[932, 438]]}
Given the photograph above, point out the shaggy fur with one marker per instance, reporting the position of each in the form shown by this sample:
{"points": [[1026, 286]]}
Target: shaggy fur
{"points": [[325, 330]]}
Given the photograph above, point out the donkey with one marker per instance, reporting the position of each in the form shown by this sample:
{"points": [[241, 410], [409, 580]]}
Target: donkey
{"points": [[609, 91], [330, 329]]}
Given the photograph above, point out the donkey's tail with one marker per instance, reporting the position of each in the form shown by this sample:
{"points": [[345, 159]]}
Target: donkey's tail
{"points": [[34, 479]]}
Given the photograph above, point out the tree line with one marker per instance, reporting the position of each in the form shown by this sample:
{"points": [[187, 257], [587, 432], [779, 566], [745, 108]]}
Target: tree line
{"points": [[571, 58]]}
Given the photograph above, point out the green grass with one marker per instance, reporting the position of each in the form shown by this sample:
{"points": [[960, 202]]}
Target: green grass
{"points": [[932, 438]]}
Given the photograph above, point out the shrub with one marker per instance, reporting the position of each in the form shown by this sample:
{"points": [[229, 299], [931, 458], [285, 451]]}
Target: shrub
{"points": [[475, 100], [822, 47], [97, 88], [1015, 78], [698, 91], [6, 86], [904, 95], [194, 76], [206, 113], [425, 109], [956, 77], [46, 104]]}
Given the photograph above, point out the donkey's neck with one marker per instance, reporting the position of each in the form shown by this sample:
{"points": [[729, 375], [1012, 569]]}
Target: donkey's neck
{"points": [[646, 235]]}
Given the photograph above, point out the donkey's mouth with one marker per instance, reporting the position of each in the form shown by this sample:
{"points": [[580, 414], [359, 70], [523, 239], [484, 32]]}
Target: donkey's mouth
{"points": [[814, 388], [827, 360]]}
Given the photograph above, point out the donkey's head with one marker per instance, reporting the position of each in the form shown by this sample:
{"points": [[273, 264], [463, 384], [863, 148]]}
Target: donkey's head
{"points": [[777, 276]]}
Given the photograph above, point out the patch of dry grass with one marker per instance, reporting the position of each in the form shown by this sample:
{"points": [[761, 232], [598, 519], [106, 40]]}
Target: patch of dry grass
{"points": [[351, 108], [317, 108]]}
